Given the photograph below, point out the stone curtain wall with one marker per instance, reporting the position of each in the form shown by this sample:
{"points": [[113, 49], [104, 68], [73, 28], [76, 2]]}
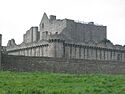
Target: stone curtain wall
{"points": [[58, 48], [22, 63], [38, 50], [93, 53]]}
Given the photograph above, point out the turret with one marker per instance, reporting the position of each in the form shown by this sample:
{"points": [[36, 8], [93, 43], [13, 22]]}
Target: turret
{"points": [[32, 35], [56, 46]]}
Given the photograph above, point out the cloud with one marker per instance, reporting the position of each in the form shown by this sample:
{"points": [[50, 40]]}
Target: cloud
{"points": [[17, 16]]}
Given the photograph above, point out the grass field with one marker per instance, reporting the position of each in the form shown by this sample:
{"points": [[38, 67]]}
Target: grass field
{"points": [[53, 83]]}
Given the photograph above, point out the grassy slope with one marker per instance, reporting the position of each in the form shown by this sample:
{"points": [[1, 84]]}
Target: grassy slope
{"points": [[51, 83]]}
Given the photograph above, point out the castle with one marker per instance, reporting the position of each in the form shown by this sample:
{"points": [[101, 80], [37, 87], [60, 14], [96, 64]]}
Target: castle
{"points": [[67, 39]]}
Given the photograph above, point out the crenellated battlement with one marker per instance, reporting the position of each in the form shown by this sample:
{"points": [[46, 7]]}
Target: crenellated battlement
{"points": [[68, 39], [57, 47]]}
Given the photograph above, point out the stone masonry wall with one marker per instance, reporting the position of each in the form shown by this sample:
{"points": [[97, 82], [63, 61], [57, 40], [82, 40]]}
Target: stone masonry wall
{"points": [[49, 27], [0, 57], [22, 63], [31, 35], [0, 49], [58, 48], [81, 32], [0, 40], [93, 53], [71, 30]]}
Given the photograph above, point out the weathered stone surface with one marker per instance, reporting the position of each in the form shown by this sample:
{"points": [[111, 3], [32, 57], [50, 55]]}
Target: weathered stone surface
{"points": [[0, 39], [67, 38], [31, 35], [0, 50], [0, 57], [22, 63]]}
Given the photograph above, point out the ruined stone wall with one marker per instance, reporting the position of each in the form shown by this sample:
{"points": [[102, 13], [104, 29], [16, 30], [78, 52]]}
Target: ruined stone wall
{"points": [[41, 50], [0, 57], [0, 50], [81, 32], [21, 63], [0, 39], [59, 48], [32, 35], [35, 34], [51, 27], [71, 30], [93, 53], [56, 48]]}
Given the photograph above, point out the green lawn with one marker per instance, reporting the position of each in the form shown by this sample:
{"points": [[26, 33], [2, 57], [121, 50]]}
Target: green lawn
{"points": [[53, 83]]}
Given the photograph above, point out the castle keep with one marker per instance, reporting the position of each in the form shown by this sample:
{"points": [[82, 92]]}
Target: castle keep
{"points": [[67, 39]]}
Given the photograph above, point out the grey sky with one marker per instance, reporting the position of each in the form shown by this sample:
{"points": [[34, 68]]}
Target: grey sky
{"points": [[17, 16]]}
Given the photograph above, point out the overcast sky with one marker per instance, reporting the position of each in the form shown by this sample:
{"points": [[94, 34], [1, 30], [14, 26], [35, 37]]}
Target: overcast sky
{"points": [[17, 16]]}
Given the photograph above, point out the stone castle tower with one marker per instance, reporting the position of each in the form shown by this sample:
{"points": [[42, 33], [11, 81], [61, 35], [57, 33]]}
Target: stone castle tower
{"points": [[70, 30], [68, 39]]}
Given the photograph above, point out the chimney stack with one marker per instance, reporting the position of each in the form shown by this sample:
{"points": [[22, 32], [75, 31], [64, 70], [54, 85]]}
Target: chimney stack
{"points": [[52, 17]]}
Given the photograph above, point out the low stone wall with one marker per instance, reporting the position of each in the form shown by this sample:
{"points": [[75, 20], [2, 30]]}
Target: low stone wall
{"points": [[22, 63]]}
